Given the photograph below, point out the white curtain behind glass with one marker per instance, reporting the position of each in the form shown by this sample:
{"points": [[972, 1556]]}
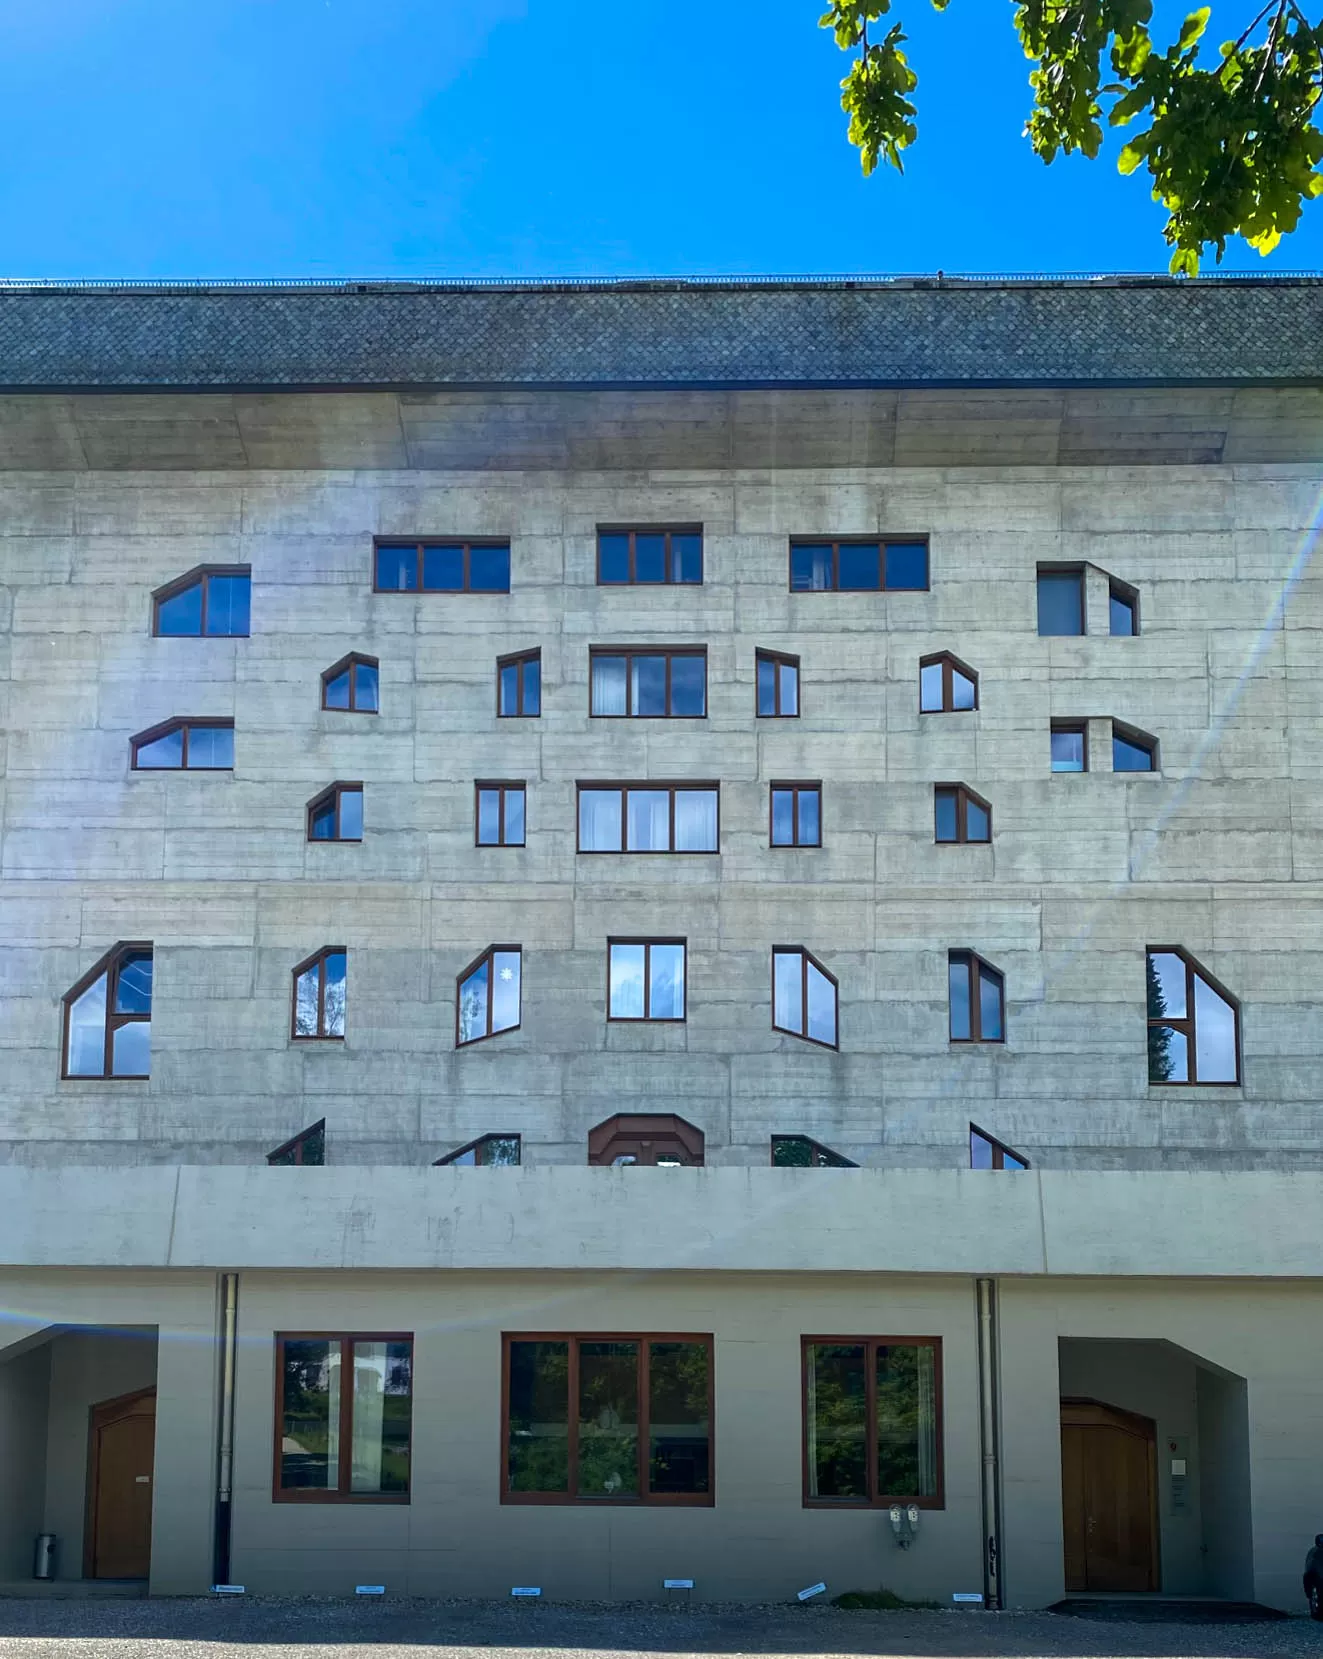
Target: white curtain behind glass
{"points": [[369, 1410]]}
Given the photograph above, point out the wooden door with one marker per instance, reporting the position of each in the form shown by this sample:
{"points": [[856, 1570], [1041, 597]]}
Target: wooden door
{"points": [[1108, 1491], [119, 1485]]}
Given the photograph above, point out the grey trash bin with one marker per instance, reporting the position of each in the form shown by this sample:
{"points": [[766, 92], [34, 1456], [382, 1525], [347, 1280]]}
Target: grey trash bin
{"points": [[43, 1556]]}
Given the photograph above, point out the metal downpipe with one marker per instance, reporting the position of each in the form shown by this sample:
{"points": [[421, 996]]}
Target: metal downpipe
{"points": [[229, 1321], [989, 1393]]}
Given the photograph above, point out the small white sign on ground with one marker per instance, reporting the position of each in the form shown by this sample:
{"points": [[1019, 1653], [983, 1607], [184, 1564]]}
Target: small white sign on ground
{"points": [[975, 1596], [227, 1589], [525, 1590], [369, 1589], [813, 1590]]}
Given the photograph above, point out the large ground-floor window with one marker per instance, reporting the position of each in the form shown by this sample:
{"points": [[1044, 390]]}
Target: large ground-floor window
{"points": [[873, 1420], [344, 1408]]}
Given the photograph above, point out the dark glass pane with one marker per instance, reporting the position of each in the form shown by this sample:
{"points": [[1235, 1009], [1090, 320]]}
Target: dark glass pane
{"points": [[766, 686], [1215, 1058], [1010, 1161], [1068, 751], [688, 685], [227, 605], [944, 804], [989, 1005], [1166, 985], [1060, 602], [810, 828], [365, 686], [649, 558], [498, 1151], [810, 567], [443, 568], [489, 569], [532, 686], [836, 1412], [783, 817], [648, 685], [164, 751], [678, 1452], [133, 990], [686, 558], [930, 688], [1130, 757], [310, 1416], [1168, 1055], [539, 1411], [397, 569], [980, 1151], [978, 826], [489, 817], [382, 1412], [1122, 613], [508, 683], [906, 1421], [792, 1152], [906, 565], [181, 613], [514, 817], [210, 748], [613, 558], [351, 814], [958, 983], [962, 690], [322, 821], [337, 691], [313, 1147], [608, 1420], [860, 566], [334, 968]]}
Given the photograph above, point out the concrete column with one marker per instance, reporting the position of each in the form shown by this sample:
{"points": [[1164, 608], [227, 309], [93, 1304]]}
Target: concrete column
{"points": [[1033, 1571], [1097, 601], [183, 1505]]}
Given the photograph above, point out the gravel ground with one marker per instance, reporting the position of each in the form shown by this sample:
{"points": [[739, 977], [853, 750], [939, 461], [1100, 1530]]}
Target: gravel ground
{"points": [[284, 1628]]}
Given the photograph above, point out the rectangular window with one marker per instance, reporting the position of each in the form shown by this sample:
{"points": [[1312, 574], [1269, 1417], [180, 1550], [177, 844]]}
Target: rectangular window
{"points": [[778, 685], [648, 818], [796, 814], [804, 996], [344, 1409], [873, 1421], [1070, 746], [648, 685], [639, 557], [498, 814], [519, 685], [320, 995], [1060, 601], [960, 815], [1123, 610], [985, 1152], [607, 1419], [476, 566], [977, 999], [645, 979], [858, 565]]}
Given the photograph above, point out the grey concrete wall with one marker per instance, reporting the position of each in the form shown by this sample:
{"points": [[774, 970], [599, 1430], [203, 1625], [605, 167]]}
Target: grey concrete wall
{"points": [[24, 1386], [1227, 1545], [1220, 854]]}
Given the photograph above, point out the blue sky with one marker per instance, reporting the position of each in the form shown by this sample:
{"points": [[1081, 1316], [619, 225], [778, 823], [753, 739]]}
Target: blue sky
{"points": [[212, 138]]}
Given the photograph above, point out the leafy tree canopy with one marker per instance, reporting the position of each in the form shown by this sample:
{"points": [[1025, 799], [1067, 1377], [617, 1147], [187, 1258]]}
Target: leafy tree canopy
{"points": [[1232, 149]]}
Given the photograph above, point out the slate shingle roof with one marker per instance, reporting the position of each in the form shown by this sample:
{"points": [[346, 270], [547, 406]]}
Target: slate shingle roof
{"points": [[663, 334]]}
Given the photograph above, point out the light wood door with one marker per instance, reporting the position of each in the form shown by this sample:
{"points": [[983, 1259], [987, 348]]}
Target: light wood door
{"points": [[120, 1473], [1109, 1515]]}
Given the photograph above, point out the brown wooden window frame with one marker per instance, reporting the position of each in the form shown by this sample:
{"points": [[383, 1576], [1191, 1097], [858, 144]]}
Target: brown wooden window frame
{"points": [[795, 788], [110, 965], [778, 660], [341, 1493], [1076, 570], [1080, 727], [870, 1344], [633, 531], [501, 787], [802, 1034], [643, 1499], [519, 660], [645, 1129], [645, 1018], [185, 723], [317, 960], [998, 1150], [629, 652], [963, 796], [332, 792], [180, 584], [353, 662], [1186, 1023], [465, 543], [489, 957], [1137, 740], [821, 1157], [882, 543], [976, 967], [480, 1141], [951, 665], [298, 1145], [673, 789]]}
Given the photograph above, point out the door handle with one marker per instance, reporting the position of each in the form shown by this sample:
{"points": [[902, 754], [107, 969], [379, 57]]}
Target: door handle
{"points": [[142, 1480]]}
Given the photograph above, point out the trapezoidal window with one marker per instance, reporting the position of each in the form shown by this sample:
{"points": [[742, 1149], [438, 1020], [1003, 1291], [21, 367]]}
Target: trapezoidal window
{"points": [[307, 1147], [1133, 751], [185, 746], [858, 565], [804, 996], [442, 566], [638, 557], [344, 1418], [873, 1421], [946, 686], [487, 995], [519, 686], [658, 1140], [800, 1152], [778, 685], [977, 993], [352, 684], [337, 814], [320, 990], [1193, 1022], [647, 684], [986, 1152], [488, 1151], [959, 815], [108, 1017], [211, 601]]}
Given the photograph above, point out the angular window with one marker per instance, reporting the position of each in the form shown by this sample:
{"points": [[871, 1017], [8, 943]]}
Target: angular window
{"points": [[1193, 1022], [648, 685], [344, 1410], [645, 556], [488, 1151], [645, 979], [211, 601], [337, 814], [499, 813], [657, 1140], [1122, 610], [648, 818], [607, 1419], [946, 686], [1060, 601], [960, 815], [873, 1421], [1133, 751], [307, 1147], [977, 999], [519, 686], [108, 1017], [796, 814], [804, 997], [985, 1152], [1070, 746], [441, 567], [487, 1002], [778, 685], [858, 566], [185, 745], [352, 684], [799, 1152], [320, 986]]}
